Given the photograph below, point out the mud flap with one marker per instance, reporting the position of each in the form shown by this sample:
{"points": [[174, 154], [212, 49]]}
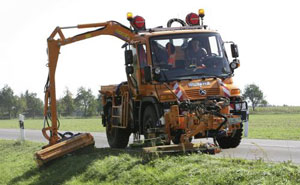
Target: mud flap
{"points": [[64, 147]]}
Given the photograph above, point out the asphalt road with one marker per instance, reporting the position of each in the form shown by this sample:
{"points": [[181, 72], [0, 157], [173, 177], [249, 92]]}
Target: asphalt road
{"points": [[268, 150]]}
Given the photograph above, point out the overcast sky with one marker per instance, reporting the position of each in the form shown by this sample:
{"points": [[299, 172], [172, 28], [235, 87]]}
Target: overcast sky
{"points": [[267, 33]]}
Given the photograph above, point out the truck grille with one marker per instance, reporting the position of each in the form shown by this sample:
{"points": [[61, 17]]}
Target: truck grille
{"points": [[194, 93]]}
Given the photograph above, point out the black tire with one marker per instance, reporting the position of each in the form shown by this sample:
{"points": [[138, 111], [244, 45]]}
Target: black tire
{"points": [[116, 137], [231, 141], [149, 119], [176, 139]]}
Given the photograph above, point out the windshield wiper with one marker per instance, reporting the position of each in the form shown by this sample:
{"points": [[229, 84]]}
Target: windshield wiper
{"points": [[202, 75], [205, 75], [226, 75]]}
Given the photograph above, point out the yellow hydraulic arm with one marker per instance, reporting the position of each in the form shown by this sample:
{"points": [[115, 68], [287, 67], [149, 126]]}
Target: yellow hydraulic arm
{"points": [[106, 28]]}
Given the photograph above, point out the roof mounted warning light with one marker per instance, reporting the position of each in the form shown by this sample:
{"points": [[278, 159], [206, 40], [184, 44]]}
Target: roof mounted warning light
{"points": [[137, 22], [192, 19], [129, 16], [201, 15]]}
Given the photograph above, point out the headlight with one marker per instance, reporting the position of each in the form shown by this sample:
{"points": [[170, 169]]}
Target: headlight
{"points": [[233, 65], [157, 71]]}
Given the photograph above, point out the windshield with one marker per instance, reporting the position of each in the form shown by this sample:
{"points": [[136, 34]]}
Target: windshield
{"points": [[189, 56]]}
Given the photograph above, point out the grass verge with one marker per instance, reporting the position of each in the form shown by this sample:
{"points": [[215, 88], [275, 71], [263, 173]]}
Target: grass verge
{"points": [[277, 126], [108, 166], [89, 124], [276, 110]]}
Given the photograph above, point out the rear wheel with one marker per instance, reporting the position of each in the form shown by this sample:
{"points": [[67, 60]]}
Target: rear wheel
{"points": [[231, 141], [116, 137]]}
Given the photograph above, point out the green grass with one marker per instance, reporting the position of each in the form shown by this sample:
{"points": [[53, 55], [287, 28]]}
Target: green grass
{"points": [[276, 110], [276, 126], [89, 125], [107, 166]]}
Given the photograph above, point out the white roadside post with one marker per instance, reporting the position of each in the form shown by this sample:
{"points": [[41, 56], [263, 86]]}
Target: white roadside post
{"points": [[21, 124], [246, 129]]}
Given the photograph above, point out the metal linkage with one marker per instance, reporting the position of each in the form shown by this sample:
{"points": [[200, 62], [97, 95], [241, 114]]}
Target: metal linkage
{"points": [[211, 105]]}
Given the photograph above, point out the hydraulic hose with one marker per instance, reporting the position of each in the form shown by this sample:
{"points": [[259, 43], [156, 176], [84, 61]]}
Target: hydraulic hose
{"points": [[223, 123], [219, 127]]}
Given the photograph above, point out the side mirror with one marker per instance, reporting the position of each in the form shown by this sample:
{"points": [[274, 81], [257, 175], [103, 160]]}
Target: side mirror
{"points": [[234, 64], [234, 50], [128, 57], [129, 70], [147, 74]]}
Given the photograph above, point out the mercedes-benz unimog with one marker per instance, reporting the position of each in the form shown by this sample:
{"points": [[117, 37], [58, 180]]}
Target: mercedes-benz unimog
{"points": [[179, 87]]}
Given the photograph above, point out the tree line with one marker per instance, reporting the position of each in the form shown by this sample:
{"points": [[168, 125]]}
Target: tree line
{"points": [[84, 104]]}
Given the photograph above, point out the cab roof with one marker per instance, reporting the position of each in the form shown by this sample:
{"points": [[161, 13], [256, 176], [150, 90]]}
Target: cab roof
{"points": [[175, 30]]}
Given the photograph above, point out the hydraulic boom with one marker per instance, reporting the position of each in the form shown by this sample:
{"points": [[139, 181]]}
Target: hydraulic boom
{"points": [[50, 111]]}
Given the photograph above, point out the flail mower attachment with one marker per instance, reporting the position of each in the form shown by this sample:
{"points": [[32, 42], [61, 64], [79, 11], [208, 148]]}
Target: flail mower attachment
{"points": [[206, 148], [156, 146], [63, 146]]}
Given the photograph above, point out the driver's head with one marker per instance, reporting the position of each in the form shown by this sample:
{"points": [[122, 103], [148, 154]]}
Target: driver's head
{"points": [[195, 45]]}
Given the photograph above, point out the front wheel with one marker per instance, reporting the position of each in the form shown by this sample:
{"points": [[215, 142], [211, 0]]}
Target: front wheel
{"points": [[177, 136], [149, 120], [231, 141], [116, 137]]}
